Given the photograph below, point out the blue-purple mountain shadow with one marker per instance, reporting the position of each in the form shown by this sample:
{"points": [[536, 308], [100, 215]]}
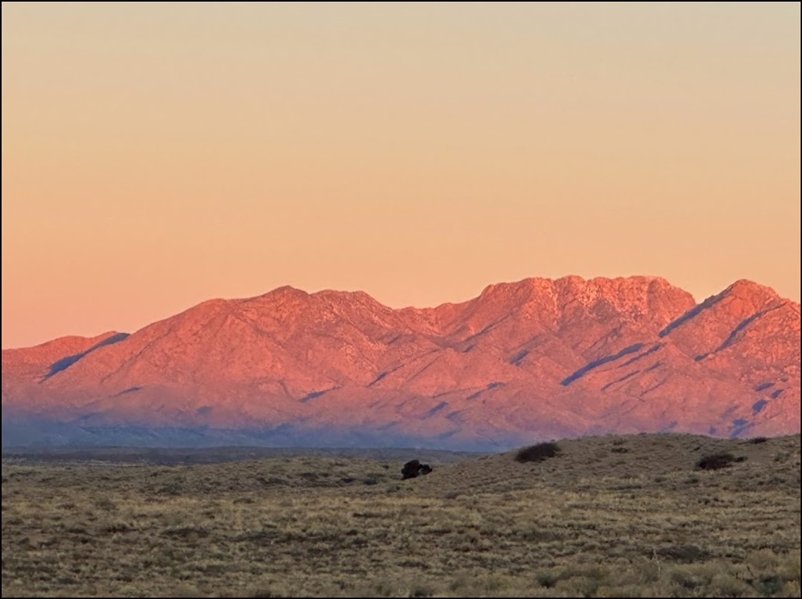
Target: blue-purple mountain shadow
{"points": [[739, 427], [620, 379], [129, 390], [518, 358], [713, 299], [313, 395], [67, 361], [492, 385], [596, 363], [651, 350], [377, 379], [435, 409], [731, 337]]}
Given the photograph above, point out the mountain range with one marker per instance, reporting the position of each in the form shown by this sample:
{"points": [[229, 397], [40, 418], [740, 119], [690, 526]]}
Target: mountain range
{"points": [[525, 361]]}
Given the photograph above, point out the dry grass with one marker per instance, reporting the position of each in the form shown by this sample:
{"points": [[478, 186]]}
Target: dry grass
{"points": [[607, 516]]}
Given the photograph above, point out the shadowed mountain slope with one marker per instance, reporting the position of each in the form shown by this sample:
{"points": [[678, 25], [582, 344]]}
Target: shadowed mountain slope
{"points": [[534, 359]]}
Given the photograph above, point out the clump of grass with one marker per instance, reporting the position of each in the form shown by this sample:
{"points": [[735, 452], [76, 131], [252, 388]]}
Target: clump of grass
{"points": [[116, 527], [537, 453], [186, 590], [421, 590], [265, 591], [717, 461], [768, 584], [684, 554], [548, 578], [685, 579], [726, 585], [106, 504]]}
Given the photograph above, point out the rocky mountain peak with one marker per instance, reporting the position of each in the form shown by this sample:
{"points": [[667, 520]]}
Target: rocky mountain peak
{"points": [[536, 357]]}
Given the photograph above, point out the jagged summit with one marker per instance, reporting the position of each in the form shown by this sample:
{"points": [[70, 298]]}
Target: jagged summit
{"points": [[522, 360]]}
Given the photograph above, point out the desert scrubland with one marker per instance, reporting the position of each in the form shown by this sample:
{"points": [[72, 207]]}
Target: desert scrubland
{"points": [[605, 516]]}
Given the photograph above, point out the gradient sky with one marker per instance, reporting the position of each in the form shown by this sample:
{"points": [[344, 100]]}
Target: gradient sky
{"points": [[158, 155]]}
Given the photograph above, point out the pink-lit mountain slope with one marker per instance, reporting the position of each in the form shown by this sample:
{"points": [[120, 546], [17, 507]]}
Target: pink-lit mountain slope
{"points": [[523, 361]]}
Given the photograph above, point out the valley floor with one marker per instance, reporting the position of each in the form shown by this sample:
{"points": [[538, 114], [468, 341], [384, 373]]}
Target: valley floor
{"points": [[608, 516]]}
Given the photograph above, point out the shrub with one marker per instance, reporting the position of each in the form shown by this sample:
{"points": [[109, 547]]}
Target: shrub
{"points": [[717, 461], [116, 527], [686, 579], [769, 584], [414, 468], [684, 554], [725, 585], [104, 503], [537, 453], [548, 578], [757, 440]]}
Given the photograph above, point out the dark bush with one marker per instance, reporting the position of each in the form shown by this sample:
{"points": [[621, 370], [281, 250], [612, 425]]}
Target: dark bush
{"points": [[547, 579], [118, 527], [414, 468], [769, 584], [757, 440], [717, 461], [537, 453], [410, 469]]}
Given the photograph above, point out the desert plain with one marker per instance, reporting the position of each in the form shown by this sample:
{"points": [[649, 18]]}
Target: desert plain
{"points": [[605, 516]]}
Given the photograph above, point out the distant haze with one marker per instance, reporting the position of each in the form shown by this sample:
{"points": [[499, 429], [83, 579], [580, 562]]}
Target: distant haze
{"points": [[158, 155]]}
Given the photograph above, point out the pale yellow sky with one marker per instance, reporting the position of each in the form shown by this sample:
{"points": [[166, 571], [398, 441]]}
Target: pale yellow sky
{"points": [[158, 155]]}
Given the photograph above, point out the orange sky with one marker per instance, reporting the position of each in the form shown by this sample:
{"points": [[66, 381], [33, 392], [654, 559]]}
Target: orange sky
{"points": [[157, 155]]}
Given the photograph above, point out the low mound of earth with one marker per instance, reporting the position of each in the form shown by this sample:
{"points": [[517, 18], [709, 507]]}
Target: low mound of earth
{"points": [[620, 463], [536, 359], [609, 516]]}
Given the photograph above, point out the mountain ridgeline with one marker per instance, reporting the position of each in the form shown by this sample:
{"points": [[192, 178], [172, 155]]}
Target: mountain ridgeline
{"points": [[525, 361]]}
